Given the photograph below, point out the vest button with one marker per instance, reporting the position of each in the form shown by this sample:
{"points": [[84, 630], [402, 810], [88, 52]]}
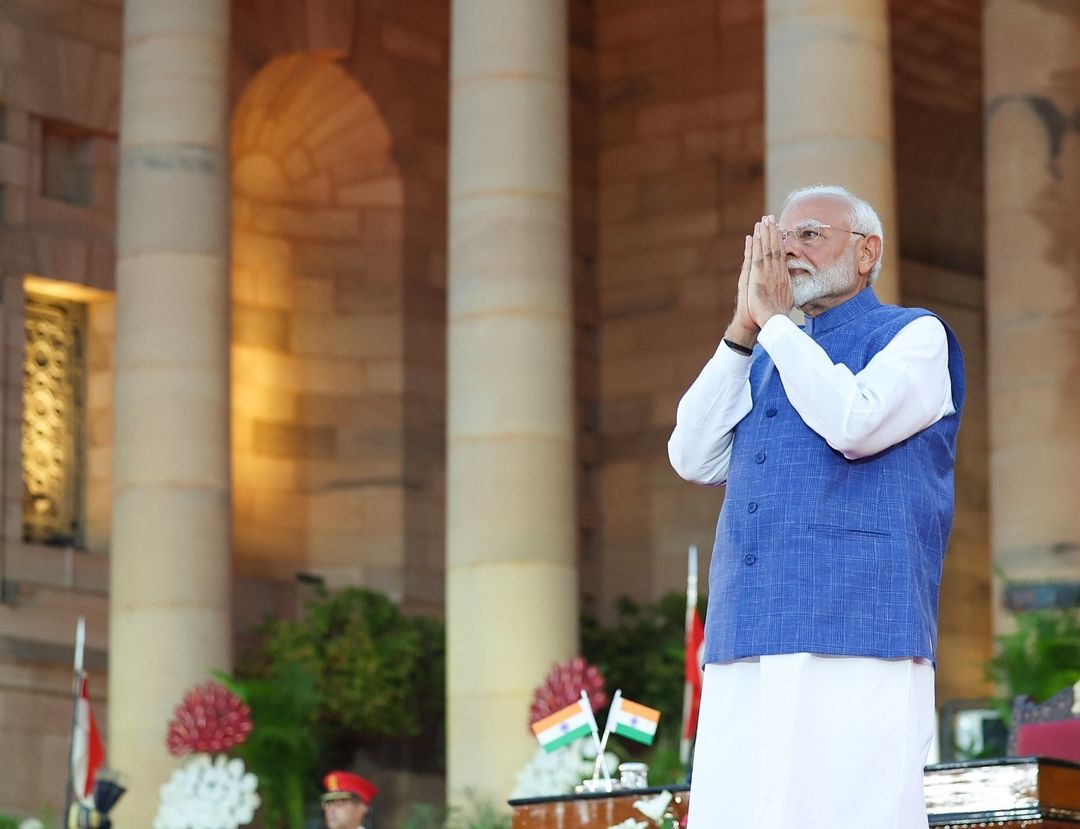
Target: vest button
{"points": [[749, 559], [760, 457], [770, 412], [752, 506]]}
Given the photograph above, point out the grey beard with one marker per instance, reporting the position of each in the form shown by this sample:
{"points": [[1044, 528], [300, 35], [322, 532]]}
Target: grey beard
{"points": [[833, 279]]}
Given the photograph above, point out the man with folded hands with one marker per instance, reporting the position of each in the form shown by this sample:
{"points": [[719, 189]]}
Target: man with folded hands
{"points": [[836, 442]]}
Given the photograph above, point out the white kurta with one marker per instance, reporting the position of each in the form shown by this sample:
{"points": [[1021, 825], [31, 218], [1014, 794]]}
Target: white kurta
{"points": [[796, 741], [801, 741]]}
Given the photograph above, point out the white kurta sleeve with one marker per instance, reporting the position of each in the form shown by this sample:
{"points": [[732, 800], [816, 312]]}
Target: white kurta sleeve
{"points": [[904, 388], [700, 446]]}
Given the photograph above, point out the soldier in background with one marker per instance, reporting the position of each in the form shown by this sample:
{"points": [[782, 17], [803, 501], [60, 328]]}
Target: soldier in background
{"points": [[346, 800]]}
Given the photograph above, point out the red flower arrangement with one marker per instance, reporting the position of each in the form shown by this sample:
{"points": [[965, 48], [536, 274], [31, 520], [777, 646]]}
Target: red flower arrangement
{"points": [[211, 718], [563, 686]]}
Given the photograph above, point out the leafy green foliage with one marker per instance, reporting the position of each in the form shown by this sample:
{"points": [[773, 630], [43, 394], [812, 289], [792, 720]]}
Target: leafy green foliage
{"points": [[285, 745], [368, 659], [378, 680], [1039, 659], [8, 822]]}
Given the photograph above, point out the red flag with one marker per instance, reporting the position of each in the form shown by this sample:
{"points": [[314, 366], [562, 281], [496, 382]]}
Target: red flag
{"points": [[87, 752], [695, 643]]}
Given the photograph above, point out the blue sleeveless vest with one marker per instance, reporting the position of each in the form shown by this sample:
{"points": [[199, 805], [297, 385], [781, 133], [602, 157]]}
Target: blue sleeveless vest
{"points": [[819, 554]]}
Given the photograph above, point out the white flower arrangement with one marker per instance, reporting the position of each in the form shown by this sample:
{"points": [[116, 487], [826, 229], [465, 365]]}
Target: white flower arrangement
{"points": [[557, 772], [208, 794]]}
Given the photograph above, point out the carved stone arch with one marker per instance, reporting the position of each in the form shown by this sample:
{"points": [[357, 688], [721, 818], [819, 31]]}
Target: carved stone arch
{"points": [[317, 328], [305, 132]]}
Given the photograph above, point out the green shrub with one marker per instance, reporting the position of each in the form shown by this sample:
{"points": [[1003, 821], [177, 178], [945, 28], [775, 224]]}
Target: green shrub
{"points": [[286, 744], [353, 673], [371, 662]]}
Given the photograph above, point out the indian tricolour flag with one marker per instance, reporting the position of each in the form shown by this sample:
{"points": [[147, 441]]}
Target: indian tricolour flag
{"points": [[564, 726], [632, 720]]}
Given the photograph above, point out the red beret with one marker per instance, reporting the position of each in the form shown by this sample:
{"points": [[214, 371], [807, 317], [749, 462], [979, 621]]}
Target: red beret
{"points": [[342, 785]]}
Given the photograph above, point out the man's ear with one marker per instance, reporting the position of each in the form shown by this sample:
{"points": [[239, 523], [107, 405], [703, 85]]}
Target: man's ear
{"points": [[869, 254]]}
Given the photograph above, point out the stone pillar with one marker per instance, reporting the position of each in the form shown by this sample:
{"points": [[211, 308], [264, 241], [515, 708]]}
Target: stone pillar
{"points": [[511, 527], [828, 108], [169, 623], [1031, 61]]}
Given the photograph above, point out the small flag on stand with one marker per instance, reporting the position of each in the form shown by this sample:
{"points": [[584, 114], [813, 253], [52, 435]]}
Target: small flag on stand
{"points": [[565, 725], [632, 720]]}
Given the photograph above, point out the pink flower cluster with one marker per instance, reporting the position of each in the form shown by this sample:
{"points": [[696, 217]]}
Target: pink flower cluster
{"points": [[211, 718], [563, 686]]}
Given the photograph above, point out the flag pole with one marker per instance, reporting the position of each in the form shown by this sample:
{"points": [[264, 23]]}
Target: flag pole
{"points": [[596, 740], [602, 744], [691, 609], [80, 645]]}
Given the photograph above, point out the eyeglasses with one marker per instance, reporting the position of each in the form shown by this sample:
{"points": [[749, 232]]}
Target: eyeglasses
{"points": [[809, 234]]}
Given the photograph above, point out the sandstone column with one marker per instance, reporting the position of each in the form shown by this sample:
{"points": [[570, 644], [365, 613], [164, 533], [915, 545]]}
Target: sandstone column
{"points": [[169, 604], [828, 108], [1031, 61], [511, 529]]}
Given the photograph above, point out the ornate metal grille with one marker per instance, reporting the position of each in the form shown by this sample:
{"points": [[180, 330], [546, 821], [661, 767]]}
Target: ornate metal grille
{"points": [[52, 444]]}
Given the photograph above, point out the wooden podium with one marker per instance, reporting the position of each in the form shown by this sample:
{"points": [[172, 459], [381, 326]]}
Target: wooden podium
{"points": [[591, 811], [1013, 792], [1010, 793]]}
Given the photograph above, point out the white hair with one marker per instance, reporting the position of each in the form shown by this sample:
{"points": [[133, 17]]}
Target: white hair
{"points": [[862, 216]]}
